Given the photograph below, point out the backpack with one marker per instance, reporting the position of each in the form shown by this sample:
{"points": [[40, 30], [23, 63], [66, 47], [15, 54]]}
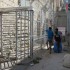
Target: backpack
{"points": [[57, 38]]}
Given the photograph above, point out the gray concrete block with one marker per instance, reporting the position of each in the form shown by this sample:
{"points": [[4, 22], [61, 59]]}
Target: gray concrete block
{"points": [[66, 61]]}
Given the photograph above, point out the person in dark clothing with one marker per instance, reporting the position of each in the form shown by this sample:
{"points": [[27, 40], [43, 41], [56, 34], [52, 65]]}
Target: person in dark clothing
{"points": [[57, 38]]}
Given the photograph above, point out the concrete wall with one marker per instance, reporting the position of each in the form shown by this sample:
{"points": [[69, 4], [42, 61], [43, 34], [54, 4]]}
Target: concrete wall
{"points": [[8, 3], [61, 19]]}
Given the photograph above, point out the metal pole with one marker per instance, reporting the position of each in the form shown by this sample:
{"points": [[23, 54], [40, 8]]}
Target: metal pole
{"points": [[1, 32], [21, 31], [67, 30], [24, 31], [28, 33], [44, 27], [53, 16], [31, 34], [41, 25], [16, 34]]}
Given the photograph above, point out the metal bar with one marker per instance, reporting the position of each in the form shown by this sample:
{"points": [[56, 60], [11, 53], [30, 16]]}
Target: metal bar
{"points": [[16, 35], [24, 31], [41, 26], [53, 15], [21, 31], [1, 32], [28, 32], [31, 34]]}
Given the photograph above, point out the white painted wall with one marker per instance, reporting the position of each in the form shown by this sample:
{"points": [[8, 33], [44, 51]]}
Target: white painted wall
{"points": [[8, 3]]}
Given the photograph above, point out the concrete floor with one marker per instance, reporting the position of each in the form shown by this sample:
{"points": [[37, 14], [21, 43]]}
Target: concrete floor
{"points": [[48, 62]]}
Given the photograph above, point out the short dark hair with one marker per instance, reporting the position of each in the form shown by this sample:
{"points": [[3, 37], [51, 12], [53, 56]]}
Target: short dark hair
{"points": [[50, 28], [56, 29]]}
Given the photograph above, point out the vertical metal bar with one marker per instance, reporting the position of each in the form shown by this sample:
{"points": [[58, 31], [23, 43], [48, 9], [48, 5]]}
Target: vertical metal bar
{"points": [[31, 34], [41, 26], [21, 30], [44, 27], [28, 33], [24, 30], [67, 1], [67, 29], [53, 16], [16, 35], [1, 33], [67, 23]]}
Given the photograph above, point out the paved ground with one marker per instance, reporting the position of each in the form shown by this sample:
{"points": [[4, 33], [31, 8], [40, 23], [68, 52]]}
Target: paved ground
{"points": [[48, 62]]}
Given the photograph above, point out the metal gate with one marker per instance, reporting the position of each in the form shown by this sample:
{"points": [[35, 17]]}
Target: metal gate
{"points": [[16, 29]]}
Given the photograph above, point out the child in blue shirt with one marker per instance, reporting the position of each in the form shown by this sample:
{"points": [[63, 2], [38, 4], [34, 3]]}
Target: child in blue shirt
{"points": [[50, 38]]}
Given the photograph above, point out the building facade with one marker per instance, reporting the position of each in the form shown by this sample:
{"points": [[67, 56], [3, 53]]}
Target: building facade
{"points": [[8, 3]]}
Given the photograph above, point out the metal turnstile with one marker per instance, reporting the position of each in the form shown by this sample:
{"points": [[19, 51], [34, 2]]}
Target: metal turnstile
{"points": [[16, 30]]}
